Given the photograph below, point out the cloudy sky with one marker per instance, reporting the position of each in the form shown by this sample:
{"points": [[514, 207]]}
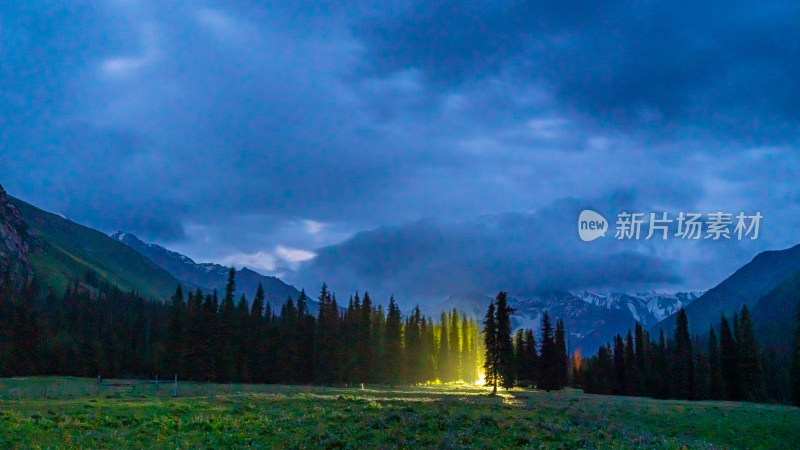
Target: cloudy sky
{"points": [[420, 148]]}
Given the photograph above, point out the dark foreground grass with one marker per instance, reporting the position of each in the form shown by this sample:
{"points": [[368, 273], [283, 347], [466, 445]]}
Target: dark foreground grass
{"points": [[442, 417]]}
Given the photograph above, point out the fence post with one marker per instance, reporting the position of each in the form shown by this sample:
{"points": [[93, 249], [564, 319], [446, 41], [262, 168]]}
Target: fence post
{"points": [[156, 384], [175, 387]]}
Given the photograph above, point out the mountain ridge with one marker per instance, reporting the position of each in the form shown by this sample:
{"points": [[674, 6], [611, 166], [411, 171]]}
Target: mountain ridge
{"points": [[210, 276], [66, 252], [746, 286], [591, 318]]}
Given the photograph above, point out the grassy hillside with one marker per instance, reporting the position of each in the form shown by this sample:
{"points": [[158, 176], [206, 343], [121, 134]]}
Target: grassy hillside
{"points": [[69, 251], [272, 416]]}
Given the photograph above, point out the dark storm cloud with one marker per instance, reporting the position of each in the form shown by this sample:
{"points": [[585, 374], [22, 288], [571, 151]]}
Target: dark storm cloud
{"points": [[255, 133], [525, 253], [720, 69]]}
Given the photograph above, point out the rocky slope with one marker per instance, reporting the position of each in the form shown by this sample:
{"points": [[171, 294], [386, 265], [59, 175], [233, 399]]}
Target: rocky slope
{"points": [[16, 242]]}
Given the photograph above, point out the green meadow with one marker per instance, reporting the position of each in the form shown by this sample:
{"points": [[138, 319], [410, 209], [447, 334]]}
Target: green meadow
{"points": [[119, 414]]}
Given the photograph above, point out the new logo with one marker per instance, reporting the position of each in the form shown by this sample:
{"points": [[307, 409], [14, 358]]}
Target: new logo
{"points": [[591, 225]]}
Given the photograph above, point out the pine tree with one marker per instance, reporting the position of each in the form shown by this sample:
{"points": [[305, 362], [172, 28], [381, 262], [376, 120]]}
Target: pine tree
{"points": [[175, 334], [209, 335], [659, 385], [454, 353], [491, 365], [303, 335], [241, 341], [393, 342], [225, 337], [520, 356], [364, 346], [547, 378], [731, 376], [428, 361], [604, 378], [413, 346], [467, 352], [702, 374], [560, 362], [328, 342], [641, 353], [716, 389], [378, 346], [257, 337], [444, 370], [505, 348], [682, 360], [532, 358], [749, 359], [619, 366], [631, 367]]}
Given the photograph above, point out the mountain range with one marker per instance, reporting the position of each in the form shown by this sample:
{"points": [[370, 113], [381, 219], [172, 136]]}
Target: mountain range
{"points": [[60, 253], [591, 319], [769, 285], [209, 276]]}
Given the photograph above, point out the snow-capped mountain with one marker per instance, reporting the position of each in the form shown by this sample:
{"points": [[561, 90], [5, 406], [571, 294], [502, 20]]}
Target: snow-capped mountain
{"points": [[591, 319], [648, 308]]}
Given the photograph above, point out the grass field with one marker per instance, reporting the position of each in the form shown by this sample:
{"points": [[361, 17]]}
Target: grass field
{"points": [[128, 414]]}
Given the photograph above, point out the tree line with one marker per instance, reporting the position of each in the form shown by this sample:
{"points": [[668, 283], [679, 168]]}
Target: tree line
{"points": [[517, 362], [726, 364], [95, 328]]}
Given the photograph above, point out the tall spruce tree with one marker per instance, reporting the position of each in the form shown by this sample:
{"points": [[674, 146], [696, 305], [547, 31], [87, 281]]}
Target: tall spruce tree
{"points": [[619, 366], [604, 378], [631, 367], [428, 360], [547, 375], [491, 365], [702, 373], [257, 337], [444, 369], [716, 388], [413, 346], [467, 352], [749, 359], [682, 359], [302, 336], [241, 343], [731, 375], [455, 346], [505, 348], [176, 342], [328, 345], [520, 356], [641, 353], [394, 343], [560, 362], [225, 335], [364, 345], [532, 359]]}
